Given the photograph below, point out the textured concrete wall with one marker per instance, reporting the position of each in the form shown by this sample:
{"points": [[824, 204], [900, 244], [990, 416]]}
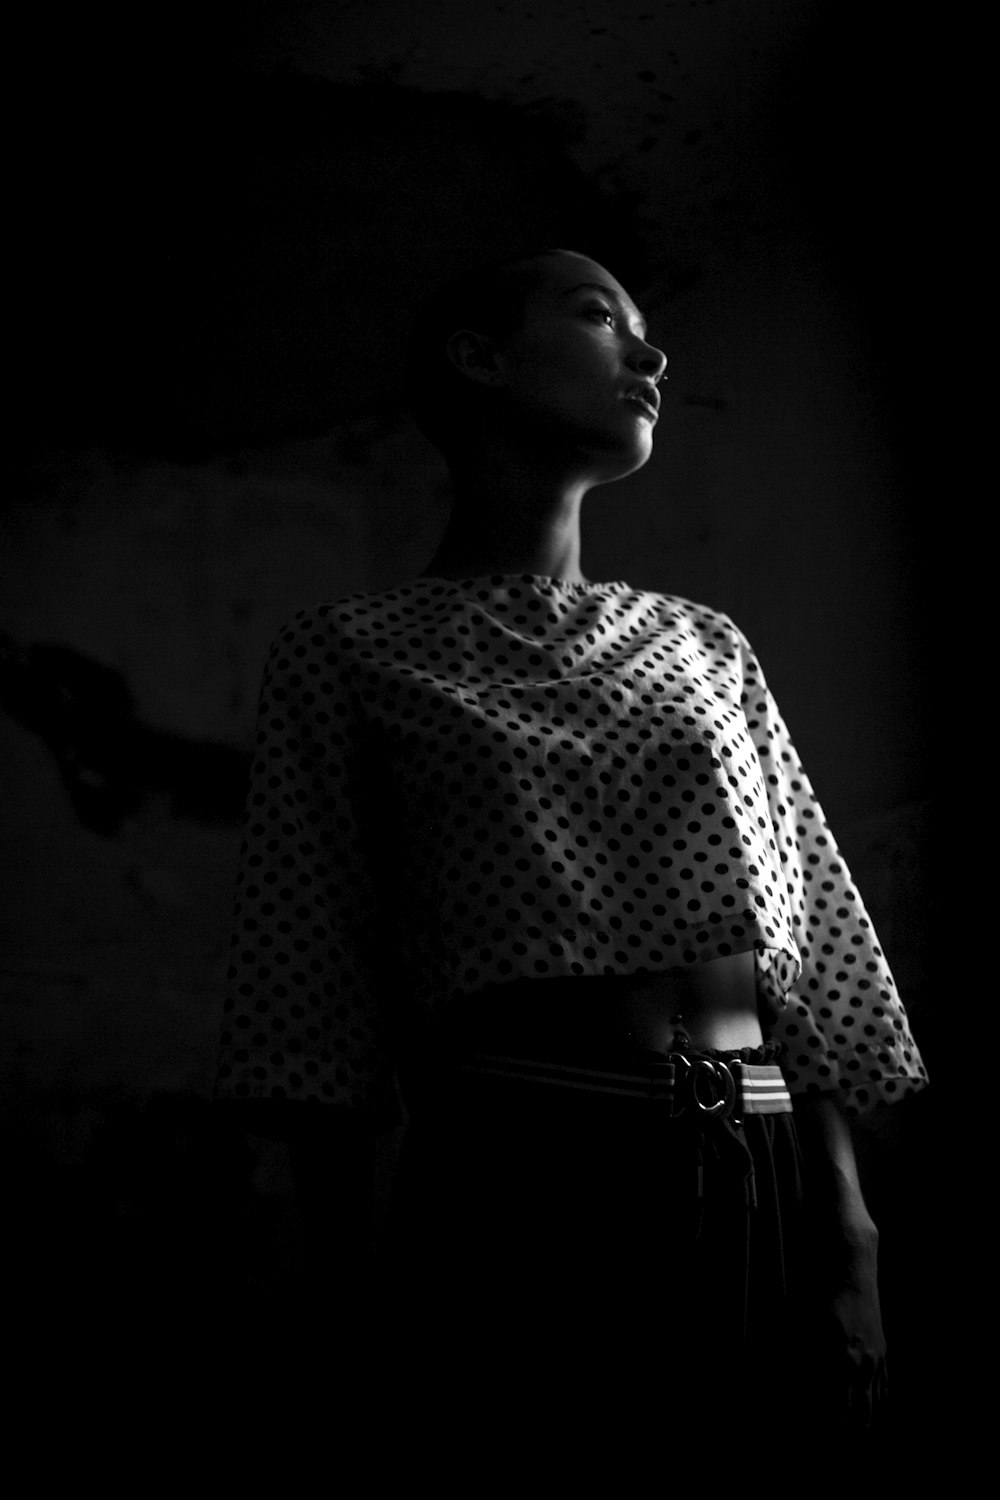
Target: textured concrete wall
{"points": [[228, 221]]}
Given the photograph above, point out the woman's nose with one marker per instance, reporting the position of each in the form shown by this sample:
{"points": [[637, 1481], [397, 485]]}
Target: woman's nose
{"points": [[648, 360]]}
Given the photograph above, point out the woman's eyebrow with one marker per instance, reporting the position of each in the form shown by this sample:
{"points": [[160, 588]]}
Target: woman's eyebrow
{"points": [[597, 286]]}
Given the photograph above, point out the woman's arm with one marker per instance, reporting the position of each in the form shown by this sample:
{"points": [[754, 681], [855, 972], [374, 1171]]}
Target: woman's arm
{"points": [[843, 1260]]}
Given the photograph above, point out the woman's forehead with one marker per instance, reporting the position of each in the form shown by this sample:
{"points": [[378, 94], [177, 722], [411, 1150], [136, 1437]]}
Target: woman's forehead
{"points": [[561, 275], [567, 267]]}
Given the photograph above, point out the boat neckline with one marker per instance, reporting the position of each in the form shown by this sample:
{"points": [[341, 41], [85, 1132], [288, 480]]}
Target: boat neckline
{"points": [[499, 579]]}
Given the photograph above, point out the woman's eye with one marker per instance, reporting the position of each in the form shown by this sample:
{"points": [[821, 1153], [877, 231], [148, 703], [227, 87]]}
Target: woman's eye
{"points": [[606, 314]]}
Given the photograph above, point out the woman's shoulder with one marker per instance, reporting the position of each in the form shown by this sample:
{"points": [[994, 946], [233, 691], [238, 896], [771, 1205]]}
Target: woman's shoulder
{"points": [[319, 623], [703, 620]]}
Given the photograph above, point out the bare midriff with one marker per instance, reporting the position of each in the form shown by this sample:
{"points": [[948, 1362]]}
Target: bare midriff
{"points": [[709, 1005]]}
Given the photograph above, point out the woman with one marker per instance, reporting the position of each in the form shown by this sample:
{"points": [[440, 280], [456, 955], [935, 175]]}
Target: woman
{"points": [[539, 849]]}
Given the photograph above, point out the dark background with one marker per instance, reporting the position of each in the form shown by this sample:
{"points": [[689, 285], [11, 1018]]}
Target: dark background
{"points": [[225, 217]]}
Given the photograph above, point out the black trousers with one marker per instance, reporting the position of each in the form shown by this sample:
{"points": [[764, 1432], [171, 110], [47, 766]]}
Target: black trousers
{"points": [[576, 1258]]}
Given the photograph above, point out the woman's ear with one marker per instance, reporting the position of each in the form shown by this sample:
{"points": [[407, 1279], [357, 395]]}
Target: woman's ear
{"points": [[473, 355]]}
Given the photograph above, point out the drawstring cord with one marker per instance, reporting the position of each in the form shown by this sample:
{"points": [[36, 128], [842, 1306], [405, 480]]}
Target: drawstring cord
{"points": [[742, 1161]]}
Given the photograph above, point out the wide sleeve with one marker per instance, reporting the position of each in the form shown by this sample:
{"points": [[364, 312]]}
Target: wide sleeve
{"points": [[842, 1024], [303, 1015]]}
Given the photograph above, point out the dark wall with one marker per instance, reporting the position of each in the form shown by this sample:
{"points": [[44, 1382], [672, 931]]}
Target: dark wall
{"points": [[228, 215]]}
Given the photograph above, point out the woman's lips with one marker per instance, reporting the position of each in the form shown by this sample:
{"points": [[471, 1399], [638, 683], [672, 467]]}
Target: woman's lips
{"points": [[646, 407]]}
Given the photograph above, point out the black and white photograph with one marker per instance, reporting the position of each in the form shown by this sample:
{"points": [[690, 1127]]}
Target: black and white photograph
{"points": [[466, 591]]}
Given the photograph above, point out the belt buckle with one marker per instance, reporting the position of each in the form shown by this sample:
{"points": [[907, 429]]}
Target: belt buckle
{"points": [[707, 1083], [682, 1080], [717, 1077]]}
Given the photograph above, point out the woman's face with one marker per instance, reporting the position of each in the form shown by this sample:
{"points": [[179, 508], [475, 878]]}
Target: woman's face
{"points": [[578, 374]]}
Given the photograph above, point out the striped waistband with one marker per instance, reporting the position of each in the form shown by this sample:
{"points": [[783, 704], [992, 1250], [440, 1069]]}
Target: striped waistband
{"points": [[680, 1083]]}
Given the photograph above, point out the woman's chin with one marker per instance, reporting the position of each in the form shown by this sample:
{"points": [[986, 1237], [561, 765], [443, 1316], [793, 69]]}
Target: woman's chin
{"points": [[621, 459]]}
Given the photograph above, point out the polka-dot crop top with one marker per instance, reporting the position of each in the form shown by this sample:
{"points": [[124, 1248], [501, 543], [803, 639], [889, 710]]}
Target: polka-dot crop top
{"points": [[461, 783]]}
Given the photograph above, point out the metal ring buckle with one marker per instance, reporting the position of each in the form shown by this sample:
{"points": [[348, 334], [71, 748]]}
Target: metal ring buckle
{"points": [[682, 1078], [722, 1086]]}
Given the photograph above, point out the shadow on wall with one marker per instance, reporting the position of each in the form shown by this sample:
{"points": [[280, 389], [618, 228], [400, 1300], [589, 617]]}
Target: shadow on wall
{"points": [[110, 762]]}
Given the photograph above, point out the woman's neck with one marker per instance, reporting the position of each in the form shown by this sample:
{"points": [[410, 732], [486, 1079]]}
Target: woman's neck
{"points": [[510, 519]]}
